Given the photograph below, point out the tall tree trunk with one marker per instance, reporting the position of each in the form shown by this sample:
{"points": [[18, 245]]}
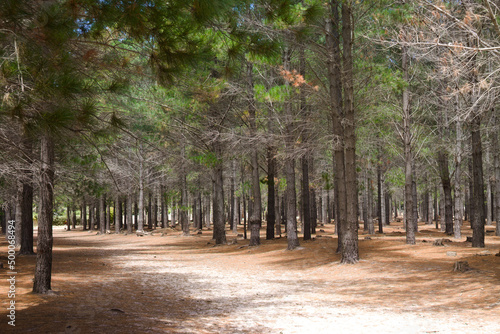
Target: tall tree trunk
{"points": [[155, 209], [118, 214], [184, 196], [163, 207], [408, 155], [496, 172], [271, 196], [369, 205], [232, 201], [478, 231], [446, 182], [306, 207], [219, 233], [458, 182], [68, 218], [255, 220], [150, 210], [129, 213], [43, 269], [83, 215], [349, 235], [337, 114], [380, 207], [140, 204], [102, 214]]}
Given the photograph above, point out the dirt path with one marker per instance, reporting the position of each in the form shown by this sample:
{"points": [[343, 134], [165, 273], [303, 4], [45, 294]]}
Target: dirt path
{"points": [[173, 284]]}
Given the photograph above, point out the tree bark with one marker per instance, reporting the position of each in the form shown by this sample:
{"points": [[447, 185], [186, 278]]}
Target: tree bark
{"points": [[458, 182], [118, 214], [255, 219], [129, 213], [408, 155], [271, 197], [43, 269], [445, 180], [335, 95], [478, 231], [102, 214], [291, 205], [27, 215], [219, 233], [184, 197]]}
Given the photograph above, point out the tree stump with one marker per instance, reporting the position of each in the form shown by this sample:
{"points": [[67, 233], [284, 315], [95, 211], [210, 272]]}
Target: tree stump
{"points": [[462, 266]]}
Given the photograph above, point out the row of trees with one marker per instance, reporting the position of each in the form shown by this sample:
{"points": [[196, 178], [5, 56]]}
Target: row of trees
{"points": [[214, 108]]}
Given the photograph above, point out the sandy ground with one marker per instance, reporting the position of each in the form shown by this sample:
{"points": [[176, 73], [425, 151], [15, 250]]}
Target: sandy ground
{"points": [[172, 284]]}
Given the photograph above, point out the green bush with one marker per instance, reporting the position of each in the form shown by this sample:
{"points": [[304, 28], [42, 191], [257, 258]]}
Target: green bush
{"points": [[59, 221]]}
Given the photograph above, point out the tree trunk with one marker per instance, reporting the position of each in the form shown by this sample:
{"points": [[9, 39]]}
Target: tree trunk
{"points": [[271, 197], [155, 209], [408, 155], [118, 214], [140, 204], [255, 220], [458, 182], [291, 205], [335, 95], [83, 214], [496, 173], [306, 207], [184, 197], [43, 269], [445, 180], [478, 231], [68, 218], [232, 212], [27, 215], [369, 207], [102, 214], [219, 233], [349, 235], [379, 199], [129, 213]]}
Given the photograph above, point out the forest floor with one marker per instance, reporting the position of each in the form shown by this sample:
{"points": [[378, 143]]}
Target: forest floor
{"points": [[166, 283]]}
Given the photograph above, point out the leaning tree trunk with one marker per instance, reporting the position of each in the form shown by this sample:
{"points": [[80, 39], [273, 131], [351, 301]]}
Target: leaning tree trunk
{"points": [[43, 269]]}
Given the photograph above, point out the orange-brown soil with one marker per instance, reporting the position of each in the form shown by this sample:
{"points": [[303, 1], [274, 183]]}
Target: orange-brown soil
{"points": [[173, 284]]}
